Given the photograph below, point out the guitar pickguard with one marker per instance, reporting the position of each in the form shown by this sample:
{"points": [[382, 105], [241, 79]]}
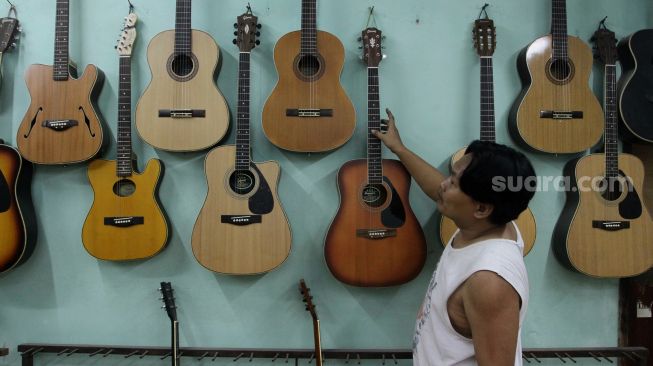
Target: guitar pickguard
{"points": [[631, 207], [261, 202], [5, 194], [393, 215]]}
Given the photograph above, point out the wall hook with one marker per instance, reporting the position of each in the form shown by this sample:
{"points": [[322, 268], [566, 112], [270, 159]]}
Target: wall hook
{"points": [[484, 11], [12, 7], [131, 6]]}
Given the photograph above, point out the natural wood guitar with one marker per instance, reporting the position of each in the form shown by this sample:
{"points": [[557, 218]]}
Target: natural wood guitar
{"points": [[182, 108], [485, 42], [126, 221], [62, 125], [307, 298], [17, 219], [375, 238], [241, 228], [308, 110], [605, 228], [556, 111]]}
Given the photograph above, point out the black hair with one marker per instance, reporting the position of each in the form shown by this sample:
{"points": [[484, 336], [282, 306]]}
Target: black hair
{"points": [[501, 176]]}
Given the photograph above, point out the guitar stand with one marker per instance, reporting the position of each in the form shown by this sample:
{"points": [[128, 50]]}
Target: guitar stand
{"points": [[635, 356]]}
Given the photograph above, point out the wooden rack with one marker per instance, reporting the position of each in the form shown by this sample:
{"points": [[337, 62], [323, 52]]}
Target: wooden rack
{"points": [[637, 355]]}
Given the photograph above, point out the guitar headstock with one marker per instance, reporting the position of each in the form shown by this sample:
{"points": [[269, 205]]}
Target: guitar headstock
{"points": [[372, 54], [246, 31], [606, 45], [127, 36], [484, 35], [168, 299], [9, 33], [307, 298]]}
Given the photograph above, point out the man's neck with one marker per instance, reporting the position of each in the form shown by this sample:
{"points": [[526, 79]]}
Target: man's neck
{"points": [[483, 231]]}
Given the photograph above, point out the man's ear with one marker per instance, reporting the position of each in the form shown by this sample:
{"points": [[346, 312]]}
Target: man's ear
{"points": [[483, 210]]}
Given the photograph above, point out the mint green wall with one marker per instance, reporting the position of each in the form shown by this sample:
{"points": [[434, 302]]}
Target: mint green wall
{"points": [[430, 80]]}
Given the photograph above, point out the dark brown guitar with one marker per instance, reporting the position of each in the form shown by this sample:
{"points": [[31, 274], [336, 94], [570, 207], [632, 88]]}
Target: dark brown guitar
{"points": [[61, 125], [17, 220], [375, 238], [310, 307], [308, 110], [168, 298]]}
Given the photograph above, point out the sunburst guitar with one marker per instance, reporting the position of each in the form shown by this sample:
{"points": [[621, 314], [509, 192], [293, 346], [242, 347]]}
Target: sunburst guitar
{"points": [[485, 42], [241, 228], [126, 221]]}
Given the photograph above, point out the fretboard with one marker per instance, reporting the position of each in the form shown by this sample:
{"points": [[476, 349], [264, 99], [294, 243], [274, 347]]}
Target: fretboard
{"points": [[559, 29], [487, 100], [374, 158], [242, 133], [61, 41], [124, 140], [183, 35], [611, 130], [309, 27]]}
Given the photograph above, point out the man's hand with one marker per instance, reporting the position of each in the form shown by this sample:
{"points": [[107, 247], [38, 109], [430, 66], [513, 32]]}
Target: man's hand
{"points": [[389, 134]]}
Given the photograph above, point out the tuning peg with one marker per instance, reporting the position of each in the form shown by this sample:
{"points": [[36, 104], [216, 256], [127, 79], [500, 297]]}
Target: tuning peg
{"points": [[234, 41], [235, 25], [360, 47], [359, 39], [382, 37], [259, 25], [258, 34], [235, 33], [384, 56], [20, 29], [257, 42]]}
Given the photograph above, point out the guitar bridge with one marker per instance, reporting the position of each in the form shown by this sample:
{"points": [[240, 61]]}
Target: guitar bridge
{"points": [[561, 114], [309, 112], [240, 220], [125, 221], [182, 113], [610, 225], [59, 124], [376, 233]]}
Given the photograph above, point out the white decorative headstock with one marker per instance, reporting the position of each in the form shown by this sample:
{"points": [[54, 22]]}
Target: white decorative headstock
{"points": [[127, 36]]}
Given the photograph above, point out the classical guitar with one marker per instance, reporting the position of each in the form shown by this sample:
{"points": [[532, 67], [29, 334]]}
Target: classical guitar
{"points": [[17, 219], [168, 298], [9, 34], [485, 42], [241, 228], [605, 229], [635, 87], [375, 238], [125, 221], [308, 110], [61, 125], [182, 108], [556, 111], [310, 307]]}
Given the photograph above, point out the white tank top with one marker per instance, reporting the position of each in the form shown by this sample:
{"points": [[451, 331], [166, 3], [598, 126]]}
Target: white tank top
{"points": [[436, 342]]}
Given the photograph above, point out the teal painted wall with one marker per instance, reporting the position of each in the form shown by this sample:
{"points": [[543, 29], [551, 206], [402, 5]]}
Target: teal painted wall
{"points": [[430, 80]]}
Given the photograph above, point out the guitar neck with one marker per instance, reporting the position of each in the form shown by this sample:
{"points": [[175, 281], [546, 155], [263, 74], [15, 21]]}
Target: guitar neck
{"points": [[183, 37], [611, 129], [487, 100], [61, 55], [374, 158], [175, 343], [309, 27], [318, 343], [559, 28], [124, 139], [242, 133]]}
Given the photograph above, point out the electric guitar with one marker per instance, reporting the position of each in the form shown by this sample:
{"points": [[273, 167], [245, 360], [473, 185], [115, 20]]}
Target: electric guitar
{"points": [[182, 108], [126, 221], [17, 219], [9, 34], [375, 238], [605, 229], [241, 228], [485, 42], [635, 86], [308, 110], [168, 298], [310, 307], [556, 111], [61, 125]]}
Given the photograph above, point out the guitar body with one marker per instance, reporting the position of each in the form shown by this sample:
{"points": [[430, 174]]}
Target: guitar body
{"points": [[525, 222], [72, 99], [636, 86], [382, 257], [604, 252], [543, 92], [17, 220], [308, 134], [240, 247], [196, 91], [138, 241]]}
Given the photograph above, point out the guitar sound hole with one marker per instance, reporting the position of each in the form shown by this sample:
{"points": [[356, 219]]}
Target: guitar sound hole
{"points": [[560, 70], [241, 181], [182, 65], [374, 195], [611, 188], [124, 188], [309, 65]]}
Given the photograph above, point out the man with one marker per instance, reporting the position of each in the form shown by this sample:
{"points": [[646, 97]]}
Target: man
{"points": [[476, 301]]}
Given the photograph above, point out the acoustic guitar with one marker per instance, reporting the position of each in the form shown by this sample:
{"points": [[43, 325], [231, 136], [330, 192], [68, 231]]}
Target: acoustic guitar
{"points": [[17, 219], [484, 43], [61, 125], [182, 108], [308, 110], [9, 34], [126, 221], [241, 228], [168, 298], [605, 229], [635, 87], [556, 111], [375, 238], [307, 298]]}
